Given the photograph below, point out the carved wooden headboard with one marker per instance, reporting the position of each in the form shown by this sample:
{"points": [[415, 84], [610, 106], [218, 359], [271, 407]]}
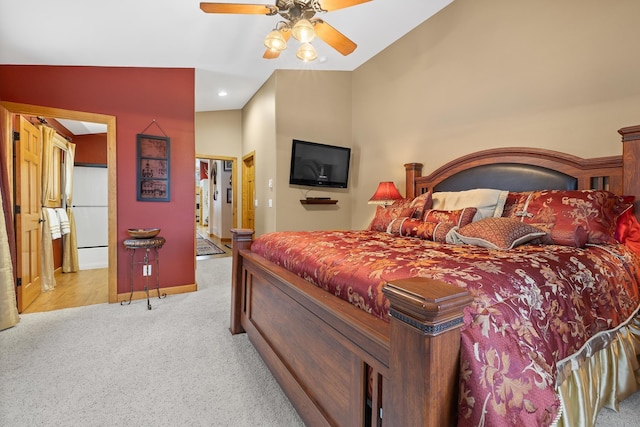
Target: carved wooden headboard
{"points": [[519, 169]]}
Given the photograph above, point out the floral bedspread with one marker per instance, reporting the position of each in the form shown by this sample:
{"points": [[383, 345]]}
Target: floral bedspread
{"points": [[533, 305]]}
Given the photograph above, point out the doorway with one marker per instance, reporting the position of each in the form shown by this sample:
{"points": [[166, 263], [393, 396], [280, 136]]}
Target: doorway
{"points": [[216, 199], [10, 110]]}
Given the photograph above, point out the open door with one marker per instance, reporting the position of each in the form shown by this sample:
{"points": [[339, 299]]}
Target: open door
{"points": [[10, 109], [27, 210]]}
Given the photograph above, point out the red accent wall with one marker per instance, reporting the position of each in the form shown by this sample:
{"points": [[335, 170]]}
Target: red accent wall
{"points": [[135, 96]]}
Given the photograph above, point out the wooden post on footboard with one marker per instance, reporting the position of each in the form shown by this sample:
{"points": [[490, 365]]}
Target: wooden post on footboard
{"points": [[241, 239], [424, 352]]}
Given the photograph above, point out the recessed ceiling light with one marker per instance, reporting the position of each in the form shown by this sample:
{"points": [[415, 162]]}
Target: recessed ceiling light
{"points": [[222, 93]]}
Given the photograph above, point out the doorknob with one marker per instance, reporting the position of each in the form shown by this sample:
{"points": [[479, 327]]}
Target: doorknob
{"points": [[40, 220]]}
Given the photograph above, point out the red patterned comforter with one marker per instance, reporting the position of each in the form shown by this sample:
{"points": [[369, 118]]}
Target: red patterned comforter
{"points": [[532, 306]]}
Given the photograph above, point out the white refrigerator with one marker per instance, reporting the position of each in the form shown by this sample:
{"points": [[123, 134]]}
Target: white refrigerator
{"points": [[90, 210]]}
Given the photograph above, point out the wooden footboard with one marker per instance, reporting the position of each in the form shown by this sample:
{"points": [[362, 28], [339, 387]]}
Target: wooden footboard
{"points": [[341, 366]]}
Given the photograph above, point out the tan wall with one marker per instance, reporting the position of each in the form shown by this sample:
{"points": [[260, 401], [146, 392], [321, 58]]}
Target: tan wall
{"points": [[316, 107], [479, 74], [259, 136], [219, 133], [491, 73]]}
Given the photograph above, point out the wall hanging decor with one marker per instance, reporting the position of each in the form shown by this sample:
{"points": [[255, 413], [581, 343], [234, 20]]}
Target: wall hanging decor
{"points": [[153, 168]]}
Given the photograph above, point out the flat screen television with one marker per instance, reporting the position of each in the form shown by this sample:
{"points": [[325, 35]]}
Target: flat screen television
{"points": [[319, 165]]}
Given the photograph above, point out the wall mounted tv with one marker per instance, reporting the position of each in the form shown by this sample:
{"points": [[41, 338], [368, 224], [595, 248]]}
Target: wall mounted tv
{"points": [[319, 165]]}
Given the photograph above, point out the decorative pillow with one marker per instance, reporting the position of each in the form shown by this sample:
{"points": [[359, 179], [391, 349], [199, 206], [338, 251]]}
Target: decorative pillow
{"points": [[515, 202], [488, 202], [628, 231], [421, 203], [595, 210], [402, 203], [411, 227], [459, 218], [495, 233], [626, 222], [384, 216], [574, 235]]}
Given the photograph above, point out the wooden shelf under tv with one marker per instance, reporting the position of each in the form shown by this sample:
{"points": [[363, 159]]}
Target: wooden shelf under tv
{"points": [[313, 201]]}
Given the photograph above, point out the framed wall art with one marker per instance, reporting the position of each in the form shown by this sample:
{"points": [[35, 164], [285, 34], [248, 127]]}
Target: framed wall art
{"points": [[153, 168], [228, 165]]}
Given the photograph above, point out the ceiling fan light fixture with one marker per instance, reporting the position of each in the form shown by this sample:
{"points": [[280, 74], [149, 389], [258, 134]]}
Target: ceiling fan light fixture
{"points": [[275, 41], [303, 31], [306, 52]]}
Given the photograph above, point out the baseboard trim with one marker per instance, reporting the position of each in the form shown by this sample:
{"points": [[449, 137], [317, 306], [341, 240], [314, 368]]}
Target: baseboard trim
{"points": [[174, 290]]}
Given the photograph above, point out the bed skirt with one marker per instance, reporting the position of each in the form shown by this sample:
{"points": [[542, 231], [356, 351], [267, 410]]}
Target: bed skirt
{"points": [[602, 374]]}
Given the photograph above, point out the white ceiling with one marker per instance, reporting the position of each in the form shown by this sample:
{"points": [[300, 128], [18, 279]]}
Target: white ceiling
{"points": [[225, 50], [82, 128]]}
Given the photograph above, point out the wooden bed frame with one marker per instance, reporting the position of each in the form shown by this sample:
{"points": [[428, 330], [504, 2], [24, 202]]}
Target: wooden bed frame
{"points": [[322, 349]]}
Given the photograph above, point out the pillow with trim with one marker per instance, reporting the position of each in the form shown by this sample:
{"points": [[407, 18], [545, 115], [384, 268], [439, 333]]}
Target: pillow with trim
{"points": [[596, 211], [411, 227], [564, 235], [384, 216], [422, 203], [458, 217], [496, 233], [488, 202], [419, 203]]}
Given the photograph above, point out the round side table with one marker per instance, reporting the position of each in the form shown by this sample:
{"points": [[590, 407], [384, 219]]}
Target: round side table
{"points": [[152, 244]]}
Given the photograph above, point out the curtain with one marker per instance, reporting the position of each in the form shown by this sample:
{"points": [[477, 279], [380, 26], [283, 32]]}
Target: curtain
{"points": [[70, 262], [8, 308], [46, 161]]}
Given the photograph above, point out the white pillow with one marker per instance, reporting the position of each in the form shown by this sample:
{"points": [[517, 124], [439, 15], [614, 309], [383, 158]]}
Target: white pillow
{"points": [[488, 202]]}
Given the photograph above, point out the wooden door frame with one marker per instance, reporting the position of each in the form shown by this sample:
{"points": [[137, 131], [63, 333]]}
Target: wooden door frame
{"points": [[234, 184], [252, 156], [12, 108]]}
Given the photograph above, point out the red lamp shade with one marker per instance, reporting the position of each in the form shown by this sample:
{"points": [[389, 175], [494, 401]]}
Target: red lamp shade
{"points": [[386, 194]]}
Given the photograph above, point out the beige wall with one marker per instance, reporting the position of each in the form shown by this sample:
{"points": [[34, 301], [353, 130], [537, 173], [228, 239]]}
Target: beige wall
{"points": [[219, 133], [259, 137], [315, 107], [312, 106], [562, 75], [479, 74]]}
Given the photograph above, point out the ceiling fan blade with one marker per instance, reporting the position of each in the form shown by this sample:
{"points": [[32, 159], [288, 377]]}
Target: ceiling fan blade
{"points": [[333, 37], [330, 5], [257, 9], [273, 54]]}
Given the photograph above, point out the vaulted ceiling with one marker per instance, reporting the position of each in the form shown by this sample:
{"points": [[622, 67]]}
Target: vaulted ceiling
{"points": [[224, 49]]}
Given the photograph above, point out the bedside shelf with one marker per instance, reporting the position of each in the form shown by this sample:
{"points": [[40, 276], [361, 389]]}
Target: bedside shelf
{"points": [[318, 202]]}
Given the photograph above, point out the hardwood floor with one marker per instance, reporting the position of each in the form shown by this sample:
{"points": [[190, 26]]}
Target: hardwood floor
{"points": [[86, 287]]}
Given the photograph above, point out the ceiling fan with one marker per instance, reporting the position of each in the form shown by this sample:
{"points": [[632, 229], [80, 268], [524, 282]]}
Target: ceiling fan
{"points": [[300, 22]]}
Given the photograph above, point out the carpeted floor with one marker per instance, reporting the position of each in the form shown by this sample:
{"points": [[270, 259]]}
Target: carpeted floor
{"points": [[176, 365], [113, 365], [207, 247]]}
